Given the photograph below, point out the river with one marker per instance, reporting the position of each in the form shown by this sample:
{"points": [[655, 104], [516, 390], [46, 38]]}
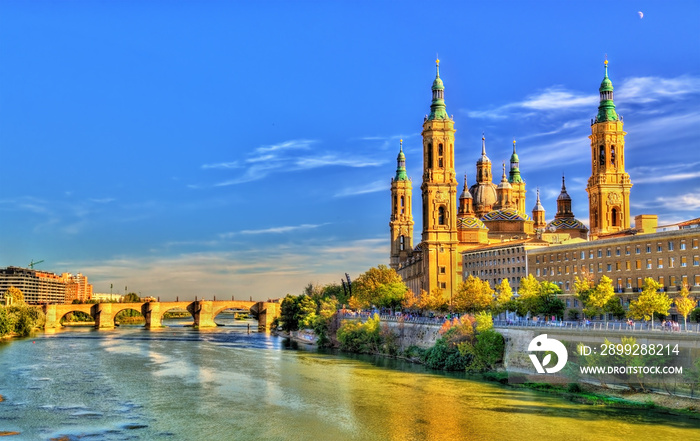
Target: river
{"points": [[178, 383]]}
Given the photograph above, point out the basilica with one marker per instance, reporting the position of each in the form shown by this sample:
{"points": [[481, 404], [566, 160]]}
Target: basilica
{"points": [[489, 213]]}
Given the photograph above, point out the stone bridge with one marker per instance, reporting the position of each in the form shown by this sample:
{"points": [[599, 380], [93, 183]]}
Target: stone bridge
{"points": [[203, 312]]}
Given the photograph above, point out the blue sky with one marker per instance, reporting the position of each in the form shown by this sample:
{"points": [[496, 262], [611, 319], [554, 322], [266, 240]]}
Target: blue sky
{"points": [[246, 148]]}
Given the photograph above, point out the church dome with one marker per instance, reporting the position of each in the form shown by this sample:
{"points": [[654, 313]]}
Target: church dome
{"points": [[506, 214], [566, 224], [469, 222], [483, 194]]}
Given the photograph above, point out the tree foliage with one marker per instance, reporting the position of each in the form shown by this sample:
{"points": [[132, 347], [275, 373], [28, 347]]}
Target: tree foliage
{"points": [[20, 320], [472, 295], [504, 294], [538, 298], [14, 296], [599, 298], [380, 286], [435, 301], [684, 304], [132, 297], [650, 302]]}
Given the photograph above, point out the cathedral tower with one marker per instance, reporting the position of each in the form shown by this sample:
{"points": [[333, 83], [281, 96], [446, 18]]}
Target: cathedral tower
{"points": [[439, 191], [516, 181], [538, 214], [504, 192], [401, 223], [609, 186], [484, 191]]}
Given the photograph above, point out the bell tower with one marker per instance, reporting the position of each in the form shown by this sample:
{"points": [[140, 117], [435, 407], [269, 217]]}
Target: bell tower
{"points": [[401, 223], [516, 181], [439, 192], [609, 185]]}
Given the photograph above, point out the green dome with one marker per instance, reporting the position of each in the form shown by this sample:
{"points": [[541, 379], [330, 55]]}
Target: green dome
{"points": [[606, 109], [401, 165], [437, 84]]}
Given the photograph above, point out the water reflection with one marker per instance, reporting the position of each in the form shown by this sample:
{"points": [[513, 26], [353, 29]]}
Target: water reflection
{"points": [[224, 384]]}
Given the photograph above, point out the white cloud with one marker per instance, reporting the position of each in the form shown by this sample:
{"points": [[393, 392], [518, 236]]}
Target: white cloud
{"points": [[372, 187], [261, 273], [273, 230], [631, 90], [664, 173], [650, 89], [280, 157]]}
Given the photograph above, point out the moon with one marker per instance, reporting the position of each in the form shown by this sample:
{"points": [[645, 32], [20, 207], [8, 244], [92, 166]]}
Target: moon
{"points": [[641, 14]]}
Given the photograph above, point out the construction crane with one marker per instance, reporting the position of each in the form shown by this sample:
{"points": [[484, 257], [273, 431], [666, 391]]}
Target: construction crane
{"points": [[32, 263]]}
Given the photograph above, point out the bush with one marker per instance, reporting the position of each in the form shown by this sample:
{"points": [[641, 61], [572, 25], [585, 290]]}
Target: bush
{"points": [[574, 388], [20, 319], [486, 352], [363, 338]]}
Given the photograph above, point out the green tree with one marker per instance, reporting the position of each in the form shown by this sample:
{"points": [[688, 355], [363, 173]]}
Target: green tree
{"points": [[289, 310], [132, 297], [614, 307], [306, 312], [335, 290], [504, 294], [547, 301], [528, 293], [380, 286], [600, 296], [472, 295], [649, 302], [684, 304]]}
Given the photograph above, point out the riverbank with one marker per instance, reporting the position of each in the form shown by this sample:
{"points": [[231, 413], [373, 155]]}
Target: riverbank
{"points": [[596, 395]]}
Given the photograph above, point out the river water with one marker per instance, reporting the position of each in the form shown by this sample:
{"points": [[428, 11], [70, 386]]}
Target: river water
{"points": [[178, 383]]}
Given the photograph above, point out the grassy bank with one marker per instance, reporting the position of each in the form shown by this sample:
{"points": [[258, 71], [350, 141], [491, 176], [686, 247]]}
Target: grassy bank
{"points": [[591, 394]]}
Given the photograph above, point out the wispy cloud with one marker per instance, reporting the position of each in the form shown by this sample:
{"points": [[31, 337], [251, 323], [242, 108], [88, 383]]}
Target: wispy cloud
{"points": [[273, 230], [372, 187], [650, 89], [664, 173], [265, 273], [285, 157], [552, 98], [634, 90]]}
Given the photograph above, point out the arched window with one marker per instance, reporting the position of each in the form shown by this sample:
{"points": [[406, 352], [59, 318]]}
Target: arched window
{"points": [[402, 205], [613, 216], [430, 156], [402, 243], [612, 155], [440, 154], [602, 154], [441, 216], [395, 204]]}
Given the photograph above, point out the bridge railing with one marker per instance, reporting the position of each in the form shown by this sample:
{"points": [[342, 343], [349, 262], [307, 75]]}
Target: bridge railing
{"points": [[599, 326]]}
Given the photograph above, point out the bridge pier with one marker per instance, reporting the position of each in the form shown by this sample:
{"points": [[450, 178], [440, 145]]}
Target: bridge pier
{"points": [[267, 313], [51, 319], [104, 317], [203, 312], [153, 315]]}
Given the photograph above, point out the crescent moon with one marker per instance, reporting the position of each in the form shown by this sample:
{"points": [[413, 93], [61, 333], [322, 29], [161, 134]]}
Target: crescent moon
{"points": [[641, 14]]}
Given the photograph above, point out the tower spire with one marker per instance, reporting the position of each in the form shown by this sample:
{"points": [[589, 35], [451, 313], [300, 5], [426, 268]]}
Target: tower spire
{"points": [[437, 107], [606, 109], [401, 164]]}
